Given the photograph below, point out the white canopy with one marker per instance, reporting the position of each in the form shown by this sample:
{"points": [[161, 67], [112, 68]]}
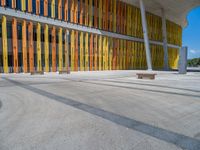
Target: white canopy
{"points": [[175, 10]]}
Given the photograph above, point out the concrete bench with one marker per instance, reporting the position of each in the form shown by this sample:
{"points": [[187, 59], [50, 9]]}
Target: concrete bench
{"points": [[146, 76], [37, 73]]}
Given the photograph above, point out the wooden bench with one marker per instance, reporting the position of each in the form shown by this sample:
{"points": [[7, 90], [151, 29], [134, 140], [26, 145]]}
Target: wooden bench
{"points": [[146, 76], [37, 73], [64, 72]]}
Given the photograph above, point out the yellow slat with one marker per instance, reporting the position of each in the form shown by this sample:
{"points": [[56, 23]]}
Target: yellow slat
{"points": [[39, 54], [81, 51], [46, 47], [4, 44]]}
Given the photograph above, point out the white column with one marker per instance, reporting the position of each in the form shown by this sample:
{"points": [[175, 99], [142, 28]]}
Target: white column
{"points": [[145, 32], [164, 33]]}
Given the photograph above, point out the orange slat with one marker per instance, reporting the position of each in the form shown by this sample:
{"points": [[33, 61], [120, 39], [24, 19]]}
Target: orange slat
{"points": [[24, 46], [3, 2], [15, 44], [37, 7], [53, 45], [81, 12], [76, 11], [45, 7], [114, 54], [95, 52], [13, 4], [59, 9], [118, 16], [95, 13], [30, 46], [30, 8], [66, 10]]}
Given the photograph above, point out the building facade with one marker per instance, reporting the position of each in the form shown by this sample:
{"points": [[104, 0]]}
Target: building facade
{"points": [[43, 41]]}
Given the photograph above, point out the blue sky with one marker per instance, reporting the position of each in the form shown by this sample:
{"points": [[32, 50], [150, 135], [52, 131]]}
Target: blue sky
{"points": [[191, 34]]}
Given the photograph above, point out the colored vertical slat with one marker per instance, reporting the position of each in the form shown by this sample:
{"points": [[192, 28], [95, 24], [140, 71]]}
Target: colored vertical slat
{"points": [[90, 13], [86, 52], [59, 9], [110, 12], [105, 15], [23, 5], [45, 7], [66, 38], [86, 13], [81, 12], [110, 51], [76, 51], [114, 54], [66, 10], [114, 16], [75, 11], [81, 37], [133, 55], [100, 51], [118, 54], [52, 8], [15, 45], [24, 46], [95, 13], [91, 52], [118, 16], [100, 14], [30, 46], [127, 54], [72, 49], [72, 11], [121, 54], [4, 44], [95, 52], [125, 15], [53, 47], [39, 53], [122, 17], [76, 35], [81, 51], [46, 47], [60, 49], [30, 8], [37, 7], [124, 55], [3, 3], [13, 4], [105, 53]]}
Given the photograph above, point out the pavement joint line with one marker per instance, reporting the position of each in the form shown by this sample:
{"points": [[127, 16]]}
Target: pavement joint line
{"points": [[163, 86], [1, 104], [182, 141], [135, 88]]}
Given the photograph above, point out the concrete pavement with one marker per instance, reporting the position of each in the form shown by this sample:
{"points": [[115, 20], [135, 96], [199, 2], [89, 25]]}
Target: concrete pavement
{"points": [[100, 110]]}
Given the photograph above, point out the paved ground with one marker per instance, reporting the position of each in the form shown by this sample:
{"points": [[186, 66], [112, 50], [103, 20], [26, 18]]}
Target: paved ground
{"points": [[100, 111]]}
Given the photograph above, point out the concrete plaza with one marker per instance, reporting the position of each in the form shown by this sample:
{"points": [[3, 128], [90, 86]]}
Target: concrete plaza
{"points": [[110, 110]]}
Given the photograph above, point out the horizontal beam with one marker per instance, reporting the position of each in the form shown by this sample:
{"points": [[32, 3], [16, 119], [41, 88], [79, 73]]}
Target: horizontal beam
{"points": [[71, 26]]}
